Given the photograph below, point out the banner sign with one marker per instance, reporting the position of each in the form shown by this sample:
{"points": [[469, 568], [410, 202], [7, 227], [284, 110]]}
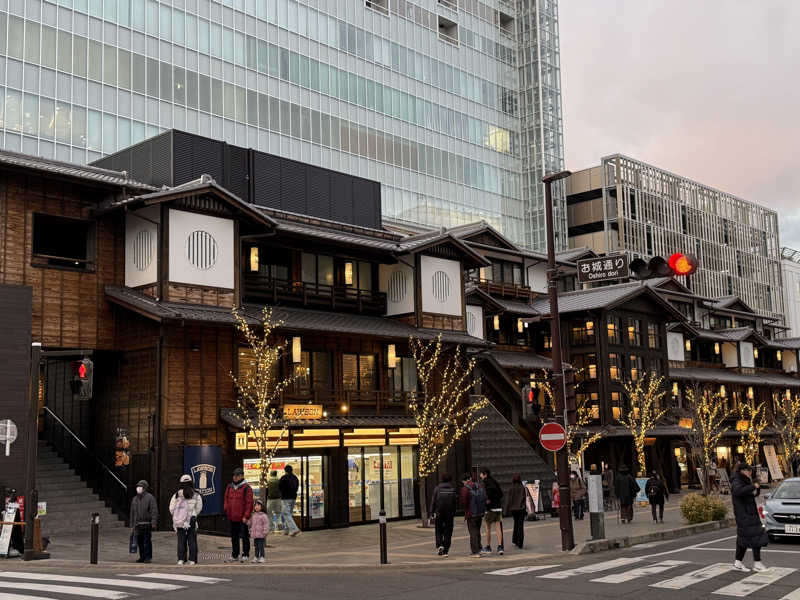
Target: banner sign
{"points": [[302, 411], [641, 497], [5, 530], [772, 462], [532, 501], [204, 464]]}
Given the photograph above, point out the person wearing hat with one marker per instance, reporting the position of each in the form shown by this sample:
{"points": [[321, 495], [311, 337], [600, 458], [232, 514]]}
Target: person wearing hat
{"points": [[144, 518], [185, 506], [749, 530], [238, 507], [625, 488]]}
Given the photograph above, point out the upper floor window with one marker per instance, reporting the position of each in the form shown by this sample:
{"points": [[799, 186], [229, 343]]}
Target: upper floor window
{"points": [[322, 269], [582, 332], [637, 367], [499, 272], [585, 366], [317, 268], [63, 242], [653, 339], [273, 263], [614, 330], [404, 375], [314, 372], [614, 366], [359, 372], [635, 332]]}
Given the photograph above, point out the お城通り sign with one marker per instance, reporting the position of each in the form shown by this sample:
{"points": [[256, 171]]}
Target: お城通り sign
{"points": [[606, 268]]}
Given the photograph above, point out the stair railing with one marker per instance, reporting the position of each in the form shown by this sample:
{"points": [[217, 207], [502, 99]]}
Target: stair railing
{"points": [[91, 469]]}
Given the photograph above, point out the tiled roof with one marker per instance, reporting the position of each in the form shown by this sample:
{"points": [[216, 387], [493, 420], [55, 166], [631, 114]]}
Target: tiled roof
{"points": [[785, 343], [518, 307], [233, 417], [293, 319], [593, 298], [65, 169], [529, 361], [335, 235], [726, 376]]}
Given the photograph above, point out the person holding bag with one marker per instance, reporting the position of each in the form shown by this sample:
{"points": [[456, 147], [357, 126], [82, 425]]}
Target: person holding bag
{"points": [[144, 519], [185, 506], [515, 506]]}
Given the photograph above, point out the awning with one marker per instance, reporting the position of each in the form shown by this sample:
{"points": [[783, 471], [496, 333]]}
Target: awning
{"points": [[528, 361], [726, 376], [233, 417]]}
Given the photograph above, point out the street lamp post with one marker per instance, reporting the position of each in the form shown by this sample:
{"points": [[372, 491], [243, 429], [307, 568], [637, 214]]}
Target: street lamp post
{"points": [[559, 389]]}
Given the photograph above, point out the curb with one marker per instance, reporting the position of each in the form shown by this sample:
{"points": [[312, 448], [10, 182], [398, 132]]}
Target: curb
{"points": [[592, 546]]}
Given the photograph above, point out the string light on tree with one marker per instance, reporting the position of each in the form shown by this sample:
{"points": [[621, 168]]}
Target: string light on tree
{"points": [[706, 412], [756, 419], [788, 425], [645, 396]]}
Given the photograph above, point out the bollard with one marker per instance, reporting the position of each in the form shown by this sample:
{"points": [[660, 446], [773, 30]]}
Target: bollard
{"points": [[382, 527], [597, 522], [95, 538], [31, 505]]}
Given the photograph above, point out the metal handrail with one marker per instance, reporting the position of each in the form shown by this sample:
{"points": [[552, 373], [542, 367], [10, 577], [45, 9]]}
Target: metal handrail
{"points": [[77, 439]]}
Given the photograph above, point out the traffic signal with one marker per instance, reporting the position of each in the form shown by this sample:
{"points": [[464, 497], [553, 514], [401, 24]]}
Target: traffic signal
{"points": [[528, 399], [82, 377], [678, 264]]}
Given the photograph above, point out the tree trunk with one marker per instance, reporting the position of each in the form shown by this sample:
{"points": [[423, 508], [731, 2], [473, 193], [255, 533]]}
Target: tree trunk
{"points": [[423, 502]]}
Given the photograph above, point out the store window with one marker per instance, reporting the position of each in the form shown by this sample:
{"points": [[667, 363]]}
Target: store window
{"points": [[391, 481], [355, 482], [635, 332], [653, 339], [372, 480], [358, 372], [614, 330], [407, 471]]}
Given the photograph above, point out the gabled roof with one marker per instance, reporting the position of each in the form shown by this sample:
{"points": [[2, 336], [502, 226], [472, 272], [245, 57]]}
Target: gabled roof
{"points": [[204, 185], [472, 230], [784, 343], [668, 284], [475, 295], [730, 303], [517, 307], [69, 170], [419, 243], [606, 297], [574, 254]]}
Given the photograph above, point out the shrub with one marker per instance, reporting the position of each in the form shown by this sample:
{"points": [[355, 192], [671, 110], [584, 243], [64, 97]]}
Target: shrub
{"points": [[697, 508]]}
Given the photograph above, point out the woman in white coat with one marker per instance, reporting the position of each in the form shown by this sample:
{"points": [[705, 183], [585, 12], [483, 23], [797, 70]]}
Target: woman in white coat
{"points": [[185, 506]]}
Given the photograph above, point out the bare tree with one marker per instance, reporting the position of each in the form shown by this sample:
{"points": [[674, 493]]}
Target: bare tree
{"points": [[259, 389], [445, 412], [645, 395], [788, 424], [707, 412]]}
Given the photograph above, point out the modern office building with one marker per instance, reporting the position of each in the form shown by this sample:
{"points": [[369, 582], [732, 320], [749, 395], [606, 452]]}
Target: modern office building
{"points": [[452, 105], [790, 273], [630, 206]]}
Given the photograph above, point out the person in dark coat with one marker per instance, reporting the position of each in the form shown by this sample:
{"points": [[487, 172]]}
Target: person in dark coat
{"points": [[749, 530], [657, 492], [144, 518], [443, 507], [626, 488], [515, 505]]}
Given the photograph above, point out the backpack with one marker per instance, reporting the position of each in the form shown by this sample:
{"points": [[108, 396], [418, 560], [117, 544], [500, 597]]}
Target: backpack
{"points": [[477, 500], [446, 500], [180, 514], [653, 489]]}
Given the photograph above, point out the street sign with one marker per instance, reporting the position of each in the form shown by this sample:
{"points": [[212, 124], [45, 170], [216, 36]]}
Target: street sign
{"points": [[606, 268], [552, 437]]}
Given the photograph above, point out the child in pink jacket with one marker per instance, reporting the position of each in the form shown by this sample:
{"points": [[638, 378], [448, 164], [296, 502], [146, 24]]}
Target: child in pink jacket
{"points": [[259, 528]]}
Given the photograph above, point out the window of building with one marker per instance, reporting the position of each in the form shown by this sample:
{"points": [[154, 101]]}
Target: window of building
{"points": [[63, 242], [582, 332], [404, 376], [585, 366], [653, 339], [358, 372], [614, 366], [590, 404], [616, 405], [314, 373], [635, 332], [271, 263], [247, 362], [614, 330], [317, 269], [637, 367]]}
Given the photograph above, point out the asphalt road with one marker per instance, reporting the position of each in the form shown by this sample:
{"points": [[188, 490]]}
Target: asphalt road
{"points": [[687, 569]]}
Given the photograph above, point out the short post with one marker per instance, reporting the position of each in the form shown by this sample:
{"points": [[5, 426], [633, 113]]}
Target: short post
{"points": [[95, 538], [31, 510], [382, 527], [597, 523]]}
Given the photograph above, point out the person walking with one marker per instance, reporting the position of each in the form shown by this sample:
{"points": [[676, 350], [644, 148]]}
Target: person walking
{"points": [[625, 488], [144, 519], [273, 500], [443, 508], [515, 506], [238, 507], [494, 510], [608, 485], [796, 464], [749, 530], [473, 500], [288, 486], [259, 528], [657, 492], [578, 494], [185, 506]]}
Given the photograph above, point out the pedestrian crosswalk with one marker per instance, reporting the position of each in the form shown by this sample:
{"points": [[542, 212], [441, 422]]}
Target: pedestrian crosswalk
{"points": [[15, 585], [648, 572]]}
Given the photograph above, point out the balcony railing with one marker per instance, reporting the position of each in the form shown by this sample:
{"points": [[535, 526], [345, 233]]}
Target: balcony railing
{"points": [[507, 290], [340, 402], [260, 288]]}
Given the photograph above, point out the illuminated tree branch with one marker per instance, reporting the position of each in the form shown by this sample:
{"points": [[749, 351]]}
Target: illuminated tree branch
{"points": [[788, 425], [707, 412], [756, 418], [645, 395]]}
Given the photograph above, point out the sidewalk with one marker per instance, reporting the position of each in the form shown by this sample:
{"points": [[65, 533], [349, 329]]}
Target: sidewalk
{"points": [[409, 544]]}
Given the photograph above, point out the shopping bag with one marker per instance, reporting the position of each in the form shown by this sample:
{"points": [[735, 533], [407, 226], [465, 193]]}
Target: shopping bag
{"points": [[132, 547]]}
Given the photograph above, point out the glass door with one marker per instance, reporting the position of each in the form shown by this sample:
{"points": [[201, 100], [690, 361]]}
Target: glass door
{"points": [[355, 479], [315, 469]]}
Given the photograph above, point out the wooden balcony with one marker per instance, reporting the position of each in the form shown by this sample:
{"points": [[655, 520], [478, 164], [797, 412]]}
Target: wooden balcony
{"points": [[341, 402], [506, 290], [263, 289]]}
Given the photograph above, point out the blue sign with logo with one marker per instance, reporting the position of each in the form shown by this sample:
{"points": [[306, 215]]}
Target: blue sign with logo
{"points": [[204, 464]]}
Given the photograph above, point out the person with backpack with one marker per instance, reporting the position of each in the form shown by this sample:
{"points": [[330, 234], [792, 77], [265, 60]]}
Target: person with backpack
{"points": [[443, 508], [288, 486], [494, 510], [144, 518], [515, 505], [185, 506], [577, 490], [626, 489], [238, 507], [473, 500], [656, 492]]}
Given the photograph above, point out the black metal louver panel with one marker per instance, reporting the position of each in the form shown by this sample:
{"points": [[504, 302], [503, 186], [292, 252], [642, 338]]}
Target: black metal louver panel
{"points": [[161, 159], [207, 159], [293, 187], [342, 198], [364, 210], [182, 148], [318, 196], [238, 172], [267, 180]]}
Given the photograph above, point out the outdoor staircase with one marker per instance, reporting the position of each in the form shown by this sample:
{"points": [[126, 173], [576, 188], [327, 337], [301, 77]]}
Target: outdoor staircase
{"points": [[70, 503]]}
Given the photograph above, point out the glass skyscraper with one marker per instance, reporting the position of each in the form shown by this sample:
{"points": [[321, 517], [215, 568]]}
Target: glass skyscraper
{"points": [[453, 105]]}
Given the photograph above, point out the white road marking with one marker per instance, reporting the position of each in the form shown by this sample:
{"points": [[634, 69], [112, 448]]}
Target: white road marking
{"points": [[695, 547], [4, 596], [132, 583], [755, 582], [173, 576], [518, 570], [793, 595], [64, 589], [732, 550], [641, 572], [594, 568], [687, 579]]}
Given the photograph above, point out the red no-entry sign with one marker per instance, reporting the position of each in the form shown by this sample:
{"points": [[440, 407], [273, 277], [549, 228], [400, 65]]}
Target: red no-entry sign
{"points": [[552, 437]]}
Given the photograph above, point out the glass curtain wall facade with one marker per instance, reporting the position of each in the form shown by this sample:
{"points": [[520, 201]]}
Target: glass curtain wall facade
{"points": [[424, 101]]}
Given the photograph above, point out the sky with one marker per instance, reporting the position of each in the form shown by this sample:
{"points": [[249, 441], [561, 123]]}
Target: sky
{"points": [[707, 89]]}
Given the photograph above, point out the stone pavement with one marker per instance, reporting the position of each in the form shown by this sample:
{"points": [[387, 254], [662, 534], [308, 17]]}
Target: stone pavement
{"points": [[409, 544]]}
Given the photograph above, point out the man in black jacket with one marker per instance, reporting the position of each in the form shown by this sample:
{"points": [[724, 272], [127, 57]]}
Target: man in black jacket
{"points": [[494, 510], [288, 486], [657, 492], [749, 530], [443, 507]]}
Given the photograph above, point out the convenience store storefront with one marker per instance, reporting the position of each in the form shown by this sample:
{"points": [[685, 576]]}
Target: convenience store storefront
{"points": [[342, 467]]}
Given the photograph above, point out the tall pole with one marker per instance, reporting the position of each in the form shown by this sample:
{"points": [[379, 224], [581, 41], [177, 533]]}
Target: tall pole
{"points": [[559, 390], [32, 441]]}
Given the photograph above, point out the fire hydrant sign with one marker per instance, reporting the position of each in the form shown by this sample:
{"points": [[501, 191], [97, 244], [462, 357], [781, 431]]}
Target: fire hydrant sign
{"points": [[552, 437]]}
